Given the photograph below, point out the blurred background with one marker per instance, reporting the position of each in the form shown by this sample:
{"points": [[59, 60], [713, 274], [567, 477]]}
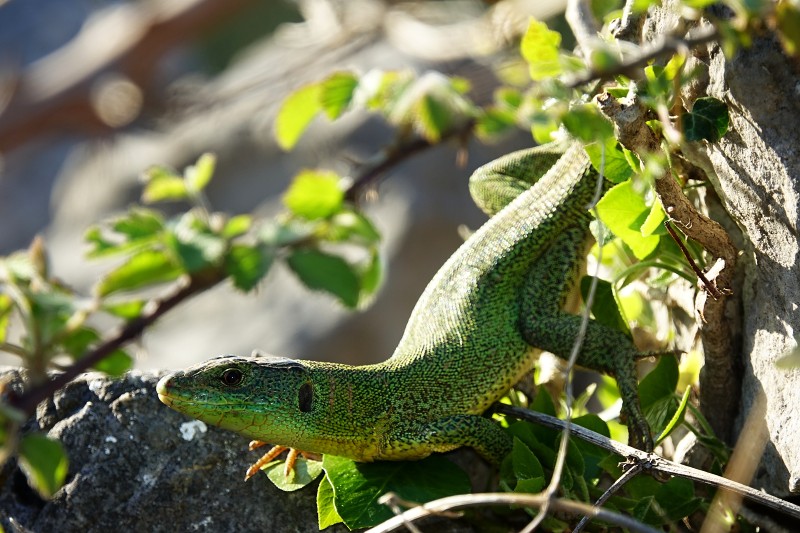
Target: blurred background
{"points": [[94, 92]]}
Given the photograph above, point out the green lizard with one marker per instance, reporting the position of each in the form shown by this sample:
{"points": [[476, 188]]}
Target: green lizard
{"points": [[470, 338]]}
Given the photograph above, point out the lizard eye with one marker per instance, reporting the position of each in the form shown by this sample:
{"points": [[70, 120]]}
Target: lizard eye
{"points": [[232, 377], [305, 396]]}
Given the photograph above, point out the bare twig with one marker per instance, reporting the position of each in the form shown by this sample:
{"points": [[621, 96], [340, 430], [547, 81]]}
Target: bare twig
{"points": [[627, 475], [496, 499]]}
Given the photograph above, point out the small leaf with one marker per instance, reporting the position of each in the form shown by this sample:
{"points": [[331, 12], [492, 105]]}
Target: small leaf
{"points": [[525, 463], [494, 122], [349, 225], [6, 306], [371, 278], [44, 463], [321, 271], [247, 265], [195, 246], [657, 393], [296, 113], [435, 119], [162, 184], [357, 486], [149, 267], [314, 194], [127, 310], [787, 15], [677, 417], [198, 175], [587, 124], [326, 510], [540, 49], [236, 226], [305, 471], [336, 93], [614, 164], [624, 211], [115, 364], [708, 120]]}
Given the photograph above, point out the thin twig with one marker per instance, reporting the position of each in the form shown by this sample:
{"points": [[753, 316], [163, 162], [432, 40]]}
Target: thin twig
{"points": [[506, 499], [627, 475], [710, 287]]}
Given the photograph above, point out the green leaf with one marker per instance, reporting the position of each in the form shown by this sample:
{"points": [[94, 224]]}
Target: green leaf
{"points": [[524, 462], [162, 184], [349, 225], [371, 277], [247, 265], [326, 510], [137, 229], [44, 463], [604, 308], [149, 267], [494, 122], [530, 485], [305, 471], [198, 175], [435, 118], [325, 272], [624, 211], [586, 123], [296, 113], [358, 486], [708, 120], [196, 247], [336, 93], [6, 306], [614, 164], [677, 418], [787, 16], [676, 498], [657, 393], [237, 225], [592, 455], [655, 219], [115, 364], [314, 194], [540, 49], [127, 310]]}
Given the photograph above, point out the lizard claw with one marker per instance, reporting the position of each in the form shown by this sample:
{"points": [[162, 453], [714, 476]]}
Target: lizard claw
{"points": [[268, 457]]}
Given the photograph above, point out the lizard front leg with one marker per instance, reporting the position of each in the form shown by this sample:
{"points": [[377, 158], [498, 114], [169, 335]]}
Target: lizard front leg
{"points": [[545, 325]]}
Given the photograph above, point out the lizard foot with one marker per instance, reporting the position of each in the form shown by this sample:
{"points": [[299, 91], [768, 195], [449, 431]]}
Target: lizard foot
{"points": [[268, 457]]}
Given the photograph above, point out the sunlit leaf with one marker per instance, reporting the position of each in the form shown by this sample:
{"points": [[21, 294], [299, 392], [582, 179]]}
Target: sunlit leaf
{"points": [[198, 175], [296, 113], [44, 463], [329, 273], [623, 210], [247, 265], [314, 194], [149, 267], [336, 92], [540, 48], [326, 508]]}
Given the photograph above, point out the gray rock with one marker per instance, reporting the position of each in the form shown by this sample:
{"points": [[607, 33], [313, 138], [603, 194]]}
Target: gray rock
{"points": [[131, 468]]}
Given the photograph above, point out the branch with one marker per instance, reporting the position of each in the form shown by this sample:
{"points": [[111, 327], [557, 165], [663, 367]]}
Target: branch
{"points": [[30, 399], [393, 155], [664, 46], [651, 462]]}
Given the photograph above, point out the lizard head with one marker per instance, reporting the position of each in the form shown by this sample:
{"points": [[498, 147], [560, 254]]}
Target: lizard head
{"points": [[260, 397]]}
